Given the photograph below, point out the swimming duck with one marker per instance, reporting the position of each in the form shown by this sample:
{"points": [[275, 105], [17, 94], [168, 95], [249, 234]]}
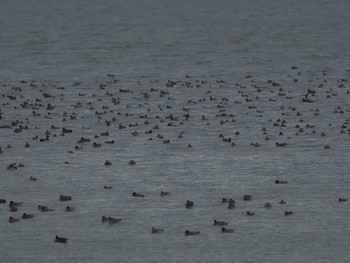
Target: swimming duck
{"points": [[70, 209], [231, 206], [342, 199], [44, 208], [267, 205], [14, 204], [280, 182], [107, 163], [27, 216], [248, 213], [191, 233], [132, 162], [65, 198], [13, 220], [137, 194], [61, 239], [287, 213], [282, 202], [189, 204], [247, 197], [219, 223], [226, 230], [2, 201], [156, 230], [163, 193]]}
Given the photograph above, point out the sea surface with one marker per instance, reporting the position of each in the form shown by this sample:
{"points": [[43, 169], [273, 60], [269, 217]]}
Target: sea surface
{"points": [[198, 94]]}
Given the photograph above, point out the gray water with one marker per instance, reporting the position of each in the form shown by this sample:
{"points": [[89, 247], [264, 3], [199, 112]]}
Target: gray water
{"points": [[251, 60]]}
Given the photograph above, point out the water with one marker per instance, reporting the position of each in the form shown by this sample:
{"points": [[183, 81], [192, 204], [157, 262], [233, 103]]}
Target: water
{"points": [[67, 48]]}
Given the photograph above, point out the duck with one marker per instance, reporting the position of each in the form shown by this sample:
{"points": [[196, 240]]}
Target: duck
{"points": [[107, 163], [267, 205], [248, 213], [31, 178], [247, 197], [282, 202], [287, 213], [137, 194], [61, 239], [191, 233], [226, 230], [342, 199], [14, 204], [189, 204], [231, 206], [12, 167], [44, 208], [2, 201], [156, 230], [105, 218], [65, 198], [280, 182], [219, 223], [163, 193], [27, 216], [13, 220], [132, 162], [70, 209]]}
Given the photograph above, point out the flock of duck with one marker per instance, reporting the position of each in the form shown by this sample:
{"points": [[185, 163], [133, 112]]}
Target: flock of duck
{"points": [[41, 103]]}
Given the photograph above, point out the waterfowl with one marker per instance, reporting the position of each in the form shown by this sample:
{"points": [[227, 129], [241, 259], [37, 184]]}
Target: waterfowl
{"points": [[107, 163], [191, 233], [132, 162], [248, 213], [163, 193], [189, 204], [65, 198], [12, 167], [2, 201], [282, 202], [70, 209], [219, 223], [27, 216], [247, 197], [226, 230], [342, 199], [13, 220], [287, 213], [105, 219], [227, 200], [267, 205], [61, 239], [280, 182], [231, 206], [107, 187], [31, 178], [44, 208], [137, 194], [14, 204], [156, 230]]}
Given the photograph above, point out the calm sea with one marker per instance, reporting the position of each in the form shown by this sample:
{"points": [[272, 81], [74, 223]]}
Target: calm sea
{"points": [[175, 74]]}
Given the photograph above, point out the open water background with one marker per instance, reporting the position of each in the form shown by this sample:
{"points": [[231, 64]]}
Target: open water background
{"points": [[75, 44]]}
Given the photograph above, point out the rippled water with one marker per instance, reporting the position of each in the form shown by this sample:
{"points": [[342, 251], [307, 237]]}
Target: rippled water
{"points": [[229, 49]]}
